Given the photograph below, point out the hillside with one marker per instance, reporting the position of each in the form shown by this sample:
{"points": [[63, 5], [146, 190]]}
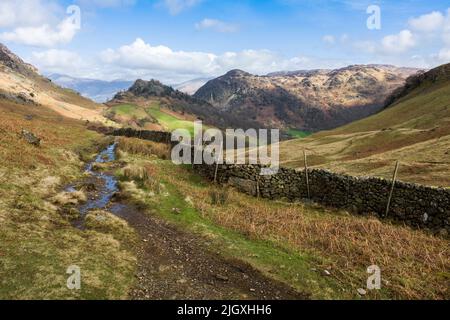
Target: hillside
{"points": [[305, 100], [414, 128], [153, 94], [21, 83]]}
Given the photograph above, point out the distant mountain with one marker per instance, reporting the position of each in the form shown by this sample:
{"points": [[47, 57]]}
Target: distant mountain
{"points": [[414, 128], [103, 91], [309, 100], [191, 87], [97, 90]]}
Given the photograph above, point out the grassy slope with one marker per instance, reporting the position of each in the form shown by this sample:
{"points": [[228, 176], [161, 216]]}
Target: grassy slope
{"points": [[66, 102], [168, 121], [416, 131], [294, 243], [129, 110], [37, 244], [298, 134]]}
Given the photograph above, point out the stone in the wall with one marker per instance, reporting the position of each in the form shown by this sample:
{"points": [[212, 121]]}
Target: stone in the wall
{"points": [[243, 185]]}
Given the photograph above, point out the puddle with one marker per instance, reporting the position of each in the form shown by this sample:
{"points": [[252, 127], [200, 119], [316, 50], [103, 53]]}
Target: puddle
{"points": [[105, 185]]}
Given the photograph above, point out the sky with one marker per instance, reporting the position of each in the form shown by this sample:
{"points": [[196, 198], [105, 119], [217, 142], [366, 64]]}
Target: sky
{"points": [[179, 40]]}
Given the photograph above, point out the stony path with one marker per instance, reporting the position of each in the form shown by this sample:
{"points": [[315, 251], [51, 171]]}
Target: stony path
{"points": [[174, 264]]}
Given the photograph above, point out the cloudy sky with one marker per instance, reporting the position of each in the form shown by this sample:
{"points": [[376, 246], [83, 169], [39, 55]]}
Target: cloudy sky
{"points": [[179, 40]]}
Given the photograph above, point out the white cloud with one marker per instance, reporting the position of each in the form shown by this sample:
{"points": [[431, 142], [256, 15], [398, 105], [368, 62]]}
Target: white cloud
{"points": [[140, 59], [428, 22], [176, 6], [140, 55], [216, 25], [26, 13], [444, 55], [446, 33], [393, 44], [398, 43], [329, 39], [56, 60], [36, 23], [44, 35], [426, 31]]}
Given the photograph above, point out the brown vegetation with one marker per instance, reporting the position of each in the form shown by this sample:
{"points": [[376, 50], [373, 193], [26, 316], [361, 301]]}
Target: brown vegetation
{"points": [[414, 264]]}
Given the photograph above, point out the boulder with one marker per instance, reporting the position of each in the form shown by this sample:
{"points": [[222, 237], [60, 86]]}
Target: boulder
{"points": [[31, 138]]}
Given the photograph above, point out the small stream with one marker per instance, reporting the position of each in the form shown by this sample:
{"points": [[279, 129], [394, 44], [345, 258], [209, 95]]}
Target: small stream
{"points": [[104, 185]]}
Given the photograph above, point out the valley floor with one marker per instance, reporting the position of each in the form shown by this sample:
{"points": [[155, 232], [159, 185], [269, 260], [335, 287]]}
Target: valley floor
{"points": [[179, 236]]}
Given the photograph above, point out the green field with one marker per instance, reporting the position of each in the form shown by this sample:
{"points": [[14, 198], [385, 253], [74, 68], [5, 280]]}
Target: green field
{"points": [[129, 110], [168, 121], [298, 134]]}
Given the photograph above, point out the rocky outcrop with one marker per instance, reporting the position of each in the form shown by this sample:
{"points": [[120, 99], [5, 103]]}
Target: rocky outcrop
{"points": [[307, 100], [13, 62]]}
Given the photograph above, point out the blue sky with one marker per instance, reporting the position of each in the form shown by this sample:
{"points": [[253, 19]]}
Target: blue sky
{"points": [[178, 40]]}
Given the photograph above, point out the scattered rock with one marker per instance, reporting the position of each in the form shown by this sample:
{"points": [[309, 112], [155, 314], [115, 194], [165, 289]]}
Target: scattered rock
{"points": [[176, 211], [31, 138], [90, 186], [189, 201], [222, 277], [362, 292]]}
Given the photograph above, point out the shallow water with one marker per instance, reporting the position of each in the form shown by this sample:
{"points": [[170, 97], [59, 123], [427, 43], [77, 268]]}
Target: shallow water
{"points": [[105, 185]]}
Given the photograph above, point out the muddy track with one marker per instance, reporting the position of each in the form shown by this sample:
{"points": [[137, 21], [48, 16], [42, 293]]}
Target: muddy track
{"points": [[174, 264]]}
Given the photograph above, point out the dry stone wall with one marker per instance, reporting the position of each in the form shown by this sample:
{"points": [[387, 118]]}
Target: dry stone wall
{"points": [[155, 136], [417, 206]]}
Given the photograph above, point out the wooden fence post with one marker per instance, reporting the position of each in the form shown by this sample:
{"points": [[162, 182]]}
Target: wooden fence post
{"points": [[217, 163], [394, 178], [257, 185], [196, 146], [306, 174]]}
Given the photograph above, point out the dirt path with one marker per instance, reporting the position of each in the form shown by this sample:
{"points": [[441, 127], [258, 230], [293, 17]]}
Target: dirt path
{"points": [[174, 264]]}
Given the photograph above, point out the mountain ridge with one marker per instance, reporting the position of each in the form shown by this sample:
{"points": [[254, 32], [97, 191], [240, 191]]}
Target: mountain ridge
{"points": [[310, 100], [414, 129], [98, 90]]}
